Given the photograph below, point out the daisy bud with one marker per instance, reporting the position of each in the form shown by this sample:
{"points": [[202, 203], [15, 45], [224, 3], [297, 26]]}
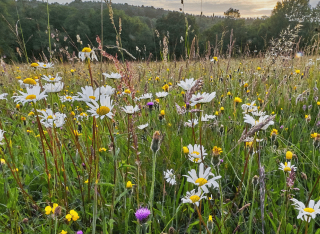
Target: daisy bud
{"points": [[155, 144]]}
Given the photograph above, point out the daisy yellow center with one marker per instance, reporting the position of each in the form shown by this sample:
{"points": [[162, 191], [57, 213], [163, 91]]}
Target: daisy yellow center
{"points": [[86, 49], [68, 97], [50, 117], [196, 160], [103, 110], [92, 97], [31, 97], [29, 81], [201, 181], [309, 210], [52, 78], [194, 198], [44, 65], [195, 152], [286, 169]]}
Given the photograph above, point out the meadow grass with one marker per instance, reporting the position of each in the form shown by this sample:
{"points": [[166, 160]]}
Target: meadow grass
{"points": [[103, 169]]}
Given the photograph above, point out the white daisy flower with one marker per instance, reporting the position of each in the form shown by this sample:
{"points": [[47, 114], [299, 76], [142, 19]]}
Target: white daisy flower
{"points": [[112, 75], [88, 94], [207, 118], [190, 123], [249, 107], [45, 65], [52, 79], [143, 126], [162, 94], [32, 95], [82, 115], [146, 96], [286, 167], [203, 180], [3, 96], [202, 98], [170, 177], [67, 98], [53, 87], [102, 110], [87, 53], [193, 197], [50, 120], [107, 90], [187, 84], [305, 213], [195, 153], [250, 120], [130, 109], [258, 113]]}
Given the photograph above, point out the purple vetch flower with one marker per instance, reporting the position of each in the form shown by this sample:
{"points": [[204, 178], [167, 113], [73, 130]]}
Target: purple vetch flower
{"points": [[221, 160], [281, 127], [304, 107], [142, 214], [80, 232]]}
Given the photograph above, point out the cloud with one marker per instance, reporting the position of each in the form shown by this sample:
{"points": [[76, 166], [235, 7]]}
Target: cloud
{"points": [[247, 8]]}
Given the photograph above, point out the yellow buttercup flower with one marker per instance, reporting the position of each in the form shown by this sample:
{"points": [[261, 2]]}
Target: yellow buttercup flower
{"points": [[185, 150], [129, 185], [48, 210], [102, 149], [34, 64], [289, 155]]}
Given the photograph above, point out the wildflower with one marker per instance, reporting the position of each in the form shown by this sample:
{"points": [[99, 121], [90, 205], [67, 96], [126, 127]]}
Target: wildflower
{"points": [[274, 132], [183, 93], [193, 197], [112, 75], [250, 120], [30, 113], [102, 149], [249, 107], [194, 153], [237, 100], [146, 96], [215, 58], [286, 167], [170, 177], [297, 71], [162, 94], [202, 98], [143, 126], [63, 232], [216, 151], [185, 150], [50, 120], [318, 103], [23, 118], [79, 232], [142, 214], [162, 112], [87, 53], [305, 213], [258, 68], [150, 104], [72, 70], [32, 95], [87, 181], [52, 79], [53, 87], [48, 210], [102, 110], [106, 90], [210, 223], [29, 81], [203, 180], [34, 65], [187, 84], [207, 118], [45, 65], [129, 185], [192, 123], [165, 88], [130, 109], [157, 100], [2, 161], [315, 136], [289, 155]]}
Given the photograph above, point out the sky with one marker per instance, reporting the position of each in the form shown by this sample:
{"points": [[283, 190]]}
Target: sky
{"points": [[248, 8]]}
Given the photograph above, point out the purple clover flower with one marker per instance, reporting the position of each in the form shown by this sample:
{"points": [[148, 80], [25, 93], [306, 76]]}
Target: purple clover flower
{"points": [[142, 214], [80, 232], [281, 127]]}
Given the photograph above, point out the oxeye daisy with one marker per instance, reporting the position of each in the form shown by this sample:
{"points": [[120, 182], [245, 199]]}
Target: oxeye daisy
{"points": [[52, 79], [88, 94], [32, 95], [162, 94], [170, 177], [107, 90], [102, 110], [286, 167], [250, 120], [205, 180], [202, 98], [130, 109], [112, 75], [50, 120], [146, 96], [67, 98], [143, 126], [193, 197], [3, 96], [249, 107], [87, 53], [53, 87], [187, 84], [207, 118], [194, 153], [45, 65], [192, 123], [305, 213]]}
